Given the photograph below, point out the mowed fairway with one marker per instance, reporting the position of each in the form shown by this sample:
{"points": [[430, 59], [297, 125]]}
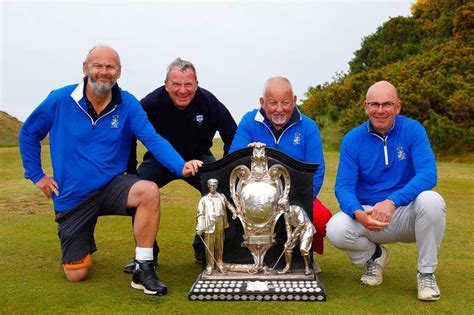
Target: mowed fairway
{"points": [[32, 280]]}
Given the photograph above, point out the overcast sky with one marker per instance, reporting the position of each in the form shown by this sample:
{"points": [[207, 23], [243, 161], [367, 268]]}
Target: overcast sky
{"points": [[235, 46]]}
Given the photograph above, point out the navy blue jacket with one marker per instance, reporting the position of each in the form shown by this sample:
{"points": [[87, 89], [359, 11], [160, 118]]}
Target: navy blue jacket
{"points": [[190, 131]]}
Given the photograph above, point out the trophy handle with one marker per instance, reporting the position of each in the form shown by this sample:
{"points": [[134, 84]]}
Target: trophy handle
{"points": [[275, 172], [240, 173]]}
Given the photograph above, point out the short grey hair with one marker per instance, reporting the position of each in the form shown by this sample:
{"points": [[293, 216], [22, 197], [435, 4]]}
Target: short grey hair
{"points": [[181, 65], [274, 79]]}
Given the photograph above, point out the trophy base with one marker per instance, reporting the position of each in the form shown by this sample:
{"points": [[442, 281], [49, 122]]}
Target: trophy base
{"points": [[235, 286]]}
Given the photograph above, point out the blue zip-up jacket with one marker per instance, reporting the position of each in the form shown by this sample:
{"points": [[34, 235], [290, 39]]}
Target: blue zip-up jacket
{"points": [[85, 154], [373, 168], [301, 140]]}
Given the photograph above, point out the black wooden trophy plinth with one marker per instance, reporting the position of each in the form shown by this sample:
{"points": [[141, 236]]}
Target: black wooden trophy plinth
{"points": [[267, 285]]}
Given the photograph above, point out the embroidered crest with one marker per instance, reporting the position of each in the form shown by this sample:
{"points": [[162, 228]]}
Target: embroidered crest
{"points": [[199, 119], [115, 122], [401, 154], [297, 138]]}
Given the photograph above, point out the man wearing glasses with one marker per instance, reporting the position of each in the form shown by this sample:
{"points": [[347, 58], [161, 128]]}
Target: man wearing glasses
{"points": [[386, 172], [90, 127]]}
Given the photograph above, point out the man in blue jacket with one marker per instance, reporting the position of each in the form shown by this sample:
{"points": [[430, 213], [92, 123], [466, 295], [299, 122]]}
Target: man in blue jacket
{"points": [[386, 172], [188, 116], [90, 126], [279, 125]]}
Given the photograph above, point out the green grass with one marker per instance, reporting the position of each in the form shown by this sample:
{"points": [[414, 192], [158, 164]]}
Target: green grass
{"points": [[32, 280]]}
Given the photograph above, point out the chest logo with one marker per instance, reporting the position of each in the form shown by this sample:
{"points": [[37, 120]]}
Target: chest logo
{"points": [[199, 119], [401, 154], [115, 122], [297, 138]]}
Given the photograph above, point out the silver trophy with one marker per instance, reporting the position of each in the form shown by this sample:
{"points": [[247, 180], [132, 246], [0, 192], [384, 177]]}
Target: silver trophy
{"points": [[256, 194], [261, 195]]}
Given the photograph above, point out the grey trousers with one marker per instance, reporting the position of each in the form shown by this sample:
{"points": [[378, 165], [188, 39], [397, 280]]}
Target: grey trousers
{"points": [[422, 221]]}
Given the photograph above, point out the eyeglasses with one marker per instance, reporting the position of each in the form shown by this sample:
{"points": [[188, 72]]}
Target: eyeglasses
{"points": [[108, 67], [385, 105]]}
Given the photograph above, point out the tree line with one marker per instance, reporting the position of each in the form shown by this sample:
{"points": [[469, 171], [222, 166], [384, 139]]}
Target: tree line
{"points": [[428, 57]]}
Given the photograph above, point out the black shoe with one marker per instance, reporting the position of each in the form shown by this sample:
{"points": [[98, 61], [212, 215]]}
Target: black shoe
{"points": [[199, 257], [144, 278], [197, 260], [130, 267]]}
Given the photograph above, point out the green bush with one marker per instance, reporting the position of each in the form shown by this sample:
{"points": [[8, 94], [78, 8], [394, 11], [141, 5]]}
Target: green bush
{"points": [[428, 57]]}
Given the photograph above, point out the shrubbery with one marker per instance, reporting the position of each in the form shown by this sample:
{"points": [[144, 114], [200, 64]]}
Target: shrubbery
{"points": [[428, 57]]}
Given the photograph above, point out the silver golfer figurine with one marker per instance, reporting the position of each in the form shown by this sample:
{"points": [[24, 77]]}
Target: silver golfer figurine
{"points": [[299, 228], [211, 221]]}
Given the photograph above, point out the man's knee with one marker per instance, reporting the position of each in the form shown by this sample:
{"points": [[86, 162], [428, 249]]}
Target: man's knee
{"points": [[78, 270], [430, 204], [145, 191], [336, 229]]}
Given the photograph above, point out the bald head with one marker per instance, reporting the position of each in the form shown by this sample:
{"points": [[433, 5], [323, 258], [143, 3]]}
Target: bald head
{"points": [[382, 87], [278, 83], [382, 106], [101, 50]]}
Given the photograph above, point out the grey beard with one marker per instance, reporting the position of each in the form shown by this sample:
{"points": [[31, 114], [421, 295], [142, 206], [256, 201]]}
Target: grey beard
{"points": [[279, 122], [100, 89]]}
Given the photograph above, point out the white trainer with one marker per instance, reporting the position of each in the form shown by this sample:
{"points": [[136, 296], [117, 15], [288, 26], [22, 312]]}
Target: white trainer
{"points": [[373, 275], [428, 289]]}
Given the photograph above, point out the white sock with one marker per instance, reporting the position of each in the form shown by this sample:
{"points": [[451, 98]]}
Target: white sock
{"points": [[143, 253]]}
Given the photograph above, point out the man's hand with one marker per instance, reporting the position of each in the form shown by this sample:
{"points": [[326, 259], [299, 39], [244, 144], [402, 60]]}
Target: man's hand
{"points": [[48, 186], [256, 145], [190, 168], [366, 219], [199, 232], [383, 211]]}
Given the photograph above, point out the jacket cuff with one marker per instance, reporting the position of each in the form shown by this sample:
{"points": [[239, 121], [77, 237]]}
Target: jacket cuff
{"points": [[352, 209], [37, 177], [396, 201]]}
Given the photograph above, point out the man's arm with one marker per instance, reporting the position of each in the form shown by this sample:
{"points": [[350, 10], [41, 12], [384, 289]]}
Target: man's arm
{"points": [[300, 218], [288, 229], [346, 179], [147, 105], [345, 188], [201, 217], [424, 163], [425, 176], [35, 129], [161, 149], [229, 206]]}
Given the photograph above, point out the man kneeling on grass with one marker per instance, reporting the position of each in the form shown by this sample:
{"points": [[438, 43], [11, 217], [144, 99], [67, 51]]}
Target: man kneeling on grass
{"points": [[91, 126]]}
